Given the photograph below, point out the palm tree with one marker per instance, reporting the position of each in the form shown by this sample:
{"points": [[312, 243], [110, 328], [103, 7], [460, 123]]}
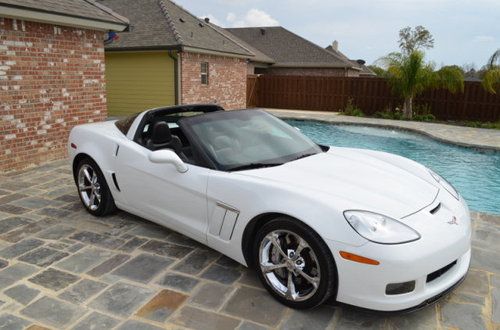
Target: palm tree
{"points": [[409, 75], [491, 78]]}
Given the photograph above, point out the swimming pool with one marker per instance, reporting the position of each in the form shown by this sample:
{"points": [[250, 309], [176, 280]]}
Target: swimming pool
{"points": [[474, 173]]}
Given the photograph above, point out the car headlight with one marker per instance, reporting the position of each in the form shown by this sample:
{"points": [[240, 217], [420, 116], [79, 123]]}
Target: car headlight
{"points": [[379, 228], [445, 184]]}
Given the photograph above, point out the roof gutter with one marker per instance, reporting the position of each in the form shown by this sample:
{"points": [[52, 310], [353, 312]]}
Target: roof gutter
{"points": [[141, 48], [214, 52], [60, 19], [313, 66]]}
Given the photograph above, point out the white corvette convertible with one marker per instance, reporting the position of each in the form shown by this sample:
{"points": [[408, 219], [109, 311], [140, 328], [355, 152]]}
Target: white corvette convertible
{"points": [[366, 228]]}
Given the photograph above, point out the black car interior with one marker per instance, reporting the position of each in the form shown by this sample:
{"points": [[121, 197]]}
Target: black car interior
{"points": [[162, 138], [159, 130]]}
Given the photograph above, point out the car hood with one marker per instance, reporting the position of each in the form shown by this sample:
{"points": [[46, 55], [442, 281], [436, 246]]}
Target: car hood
{"points": [[358, 179]]}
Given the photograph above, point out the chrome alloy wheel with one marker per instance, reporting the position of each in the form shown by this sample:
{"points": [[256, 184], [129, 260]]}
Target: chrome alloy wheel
{"points": [[289, 265], [89, 187]]}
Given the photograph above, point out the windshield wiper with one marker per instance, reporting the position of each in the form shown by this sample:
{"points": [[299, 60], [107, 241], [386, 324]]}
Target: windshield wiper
{"points": [[253, 166]]}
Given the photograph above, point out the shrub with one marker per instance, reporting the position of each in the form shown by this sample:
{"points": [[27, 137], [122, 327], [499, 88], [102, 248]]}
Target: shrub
{"points": [[388, 113], [479, 124], [427, 117], [352, 110], [423, 112]]}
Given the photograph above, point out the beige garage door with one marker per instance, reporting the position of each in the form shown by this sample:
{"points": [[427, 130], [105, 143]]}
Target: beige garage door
{"points": [[137, 81]]}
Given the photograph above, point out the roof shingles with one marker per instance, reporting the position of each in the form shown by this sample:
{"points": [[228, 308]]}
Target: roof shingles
{"points": [[163, 24], [148, 26], [288, 49], [363, 68], [77, 8]]}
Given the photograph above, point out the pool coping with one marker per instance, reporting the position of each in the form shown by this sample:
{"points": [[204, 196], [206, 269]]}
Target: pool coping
{"points": [[469, 137]]}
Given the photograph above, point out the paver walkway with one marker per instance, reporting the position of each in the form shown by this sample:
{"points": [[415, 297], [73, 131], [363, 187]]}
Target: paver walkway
{"points": [[61, 268], [466, 136]]}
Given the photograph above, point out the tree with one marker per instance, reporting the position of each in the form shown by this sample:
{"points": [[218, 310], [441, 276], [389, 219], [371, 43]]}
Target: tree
{"points": [[491, 77], [377, 70], [494, 60], [409, 75], [411, 40]]}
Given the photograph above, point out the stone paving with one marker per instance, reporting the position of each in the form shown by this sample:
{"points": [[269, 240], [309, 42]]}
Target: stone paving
{"points": [[61, 268], [465, 136]]}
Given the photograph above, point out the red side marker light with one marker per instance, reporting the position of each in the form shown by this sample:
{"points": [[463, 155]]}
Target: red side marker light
{"points": [[73, 145]]}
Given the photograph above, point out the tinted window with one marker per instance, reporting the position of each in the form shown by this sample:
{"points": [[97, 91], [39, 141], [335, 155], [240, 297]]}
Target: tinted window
{"points": [[125, 123], [237, 139]]}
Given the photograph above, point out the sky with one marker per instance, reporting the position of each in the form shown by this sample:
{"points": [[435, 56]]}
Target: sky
{"points": [[465, 31]]}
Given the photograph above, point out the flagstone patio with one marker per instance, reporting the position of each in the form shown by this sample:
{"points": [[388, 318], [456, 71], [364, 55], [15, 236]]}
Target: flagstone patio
{"points": [[61, 268]]}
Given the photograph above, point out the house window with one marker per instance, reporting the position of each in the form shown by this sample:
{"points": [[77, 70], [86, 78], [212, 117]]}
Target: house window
{"points": [[204, 73]]}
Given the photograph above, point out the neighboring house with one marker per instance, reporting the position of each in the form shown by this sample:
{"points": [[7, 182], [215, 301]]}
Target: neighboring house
{"points": [[170, 56], [291, 54], [365, 71], [258, 61], [51, 75]]}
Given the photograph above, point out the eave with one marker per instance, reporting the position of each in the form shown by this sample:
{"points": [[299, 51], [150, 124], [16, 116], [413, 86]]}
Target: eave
{"points": [[315, 66], [41, 16]]}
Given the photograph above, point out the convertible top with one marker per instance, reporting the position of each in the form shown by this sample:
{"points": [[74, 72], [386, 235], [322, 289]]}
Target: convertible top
{"points": [[179, 109]]}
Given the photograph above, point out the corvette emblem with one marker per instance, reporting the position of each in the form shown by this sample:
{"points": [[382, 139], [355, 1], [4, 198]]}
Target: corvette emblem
{"points": [[453, 221]]}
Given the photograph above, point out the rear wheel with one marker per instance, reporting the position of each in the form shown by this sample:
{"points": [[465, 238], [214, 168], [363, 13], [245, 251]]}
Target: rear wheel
{"points": [[294, 263], [93, 189]]}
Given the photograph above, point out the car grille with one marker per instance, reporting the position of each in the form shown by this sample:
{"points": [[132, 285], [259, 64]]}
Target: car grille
{"points": [[434, 275]]}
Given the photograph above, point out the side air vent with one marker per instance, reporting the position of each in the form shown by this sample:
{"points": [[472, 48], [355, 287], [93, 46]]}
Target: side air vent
{"points": [[436, 209], [223, 221], [113, 175]]}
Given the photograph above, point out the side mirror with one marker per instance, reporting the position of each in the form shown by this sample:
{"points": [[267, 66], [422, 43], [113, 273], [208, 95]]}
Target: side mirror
{"points": [[167, 156]]}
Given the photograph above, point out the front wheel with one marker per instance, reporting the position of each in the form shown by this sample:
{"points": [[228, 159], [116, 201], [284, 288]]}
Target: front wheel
{"points": [[294, 264], [93, 189]]}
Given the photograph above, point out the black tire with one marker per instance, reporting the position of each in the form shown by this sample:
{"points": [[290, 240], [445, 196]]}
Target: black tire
{"points": [[328, 282], [106, 206]]}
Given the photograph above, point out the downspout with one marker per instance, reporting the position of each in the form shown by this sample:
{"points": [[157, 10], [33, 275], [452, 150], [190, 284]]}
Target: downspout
{"points": [[179, 74], [176, 76]]}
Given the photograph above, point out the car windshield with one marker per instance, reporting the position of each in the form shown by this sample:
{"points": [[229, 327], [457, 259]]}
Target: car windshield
{"points": [[246, 139]]}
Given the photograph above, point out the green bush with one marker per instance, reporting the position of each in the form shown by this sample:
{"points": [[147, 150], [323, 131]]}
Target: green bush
{"points": [[389, 114], [423, 112], [427, 117], [352, 110], [479, 124]]}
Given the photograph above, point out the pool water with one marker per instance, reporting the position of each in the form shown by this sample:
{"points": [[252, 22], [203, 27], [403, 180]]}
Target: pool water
{"points": [[474, 173]]}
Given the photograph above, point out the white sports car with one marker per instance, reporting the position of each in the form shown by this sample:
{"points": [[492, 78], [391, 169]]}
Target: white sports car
{"points": [[366, 228]]}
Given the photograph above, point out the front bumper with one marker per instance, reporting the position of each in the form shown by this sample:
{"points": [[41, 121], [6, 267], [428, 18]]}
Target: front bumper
{"points": [[441, 244]]}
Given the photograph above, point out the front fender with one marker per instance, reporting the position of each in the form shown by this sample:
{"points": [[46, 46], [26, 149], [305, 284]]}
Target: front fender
{"points": [[252, 197]]}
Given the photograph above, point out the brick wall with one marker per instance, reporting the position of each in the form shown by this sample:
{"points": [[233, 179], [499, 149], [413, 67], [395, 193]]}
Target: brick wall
{"points": [[309, 72], [51, 78], [227, 80]]}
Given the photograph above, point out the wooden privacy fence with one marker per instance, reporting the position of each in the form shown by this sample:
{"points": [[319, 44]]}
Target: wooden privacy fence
{"points": [[368, 94]]}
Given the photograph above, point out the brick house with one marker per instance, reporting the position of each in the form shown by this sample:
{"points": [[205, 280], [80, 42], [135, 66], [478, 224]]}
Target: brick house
{"points": [[169, 57], [51, 75]]}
